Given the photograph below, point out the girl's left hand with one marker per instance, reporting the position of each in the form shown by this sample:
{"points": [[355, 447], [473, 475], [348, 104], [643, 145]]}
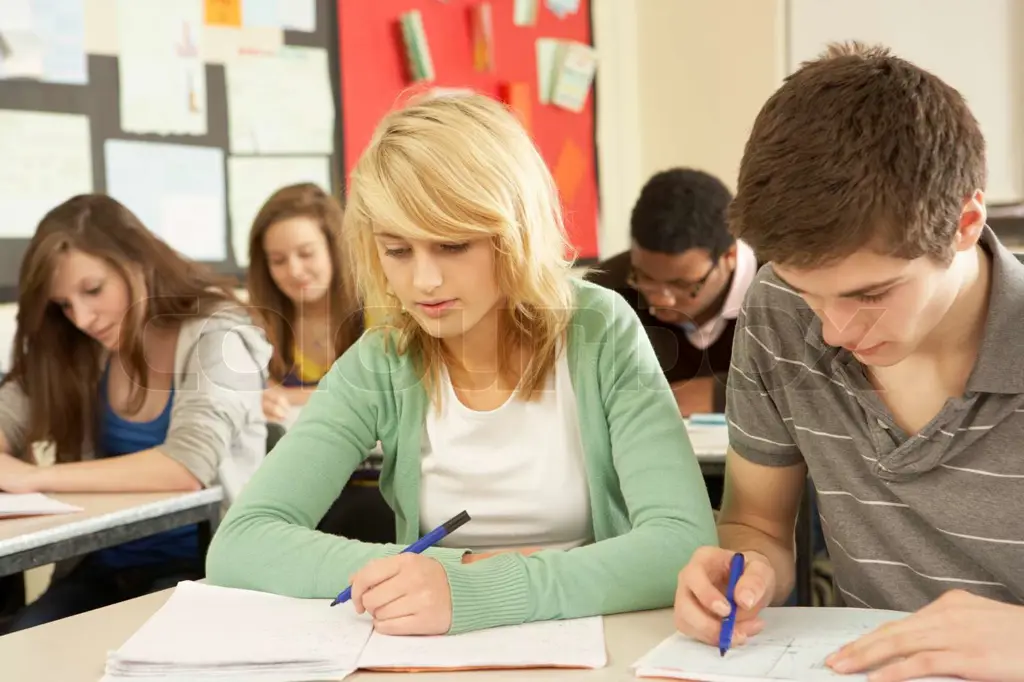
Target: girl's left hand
{"points": [[407, 594], [16, 476]]}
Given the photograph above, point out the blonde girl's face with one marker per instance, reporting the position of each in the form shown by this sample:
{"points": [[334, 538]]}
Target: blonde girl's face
{"points": [[448, 287]]}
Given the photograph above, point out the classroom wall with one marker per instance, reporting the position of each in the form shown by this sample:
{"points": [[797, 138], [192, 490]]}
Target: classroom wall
{"points": [[679, 83]]}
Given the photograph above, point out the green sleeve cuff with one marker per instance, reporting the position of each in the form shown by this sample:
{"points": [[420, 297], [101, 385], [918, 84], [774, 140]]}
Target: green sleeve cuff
{"points": [[488, 593]]}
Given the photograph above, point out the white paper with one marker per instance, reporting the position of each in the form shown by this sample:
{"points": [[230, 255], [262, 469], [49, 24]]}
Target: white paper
{"points": [[221, 44], [238, 634], [547, 50], [177, 191], [15, 15], [163, 79], [281, 104], [575, 643], [204, 632], [44, 40], [708, 440], [251, 181], [33, 504], [793, 646], [297, 15], [21, 54], [60, 25], [563, 8], [101, 27], [293, 15], [45, 159]]}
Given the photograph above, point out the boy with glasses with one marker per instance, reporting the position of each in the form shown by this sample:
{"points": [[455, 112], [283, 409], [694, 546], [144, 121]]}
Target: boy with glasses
{"points": [[686, 276]]}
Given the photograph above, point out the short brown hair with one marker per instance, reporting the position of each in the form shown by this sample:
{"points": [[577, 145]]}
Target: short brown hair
{"points": [[276, 311], [857, 149]]}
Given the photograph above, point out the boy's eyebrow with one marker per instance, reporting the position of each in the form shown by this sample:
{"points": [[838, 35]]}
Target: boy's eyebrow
{"points": [[852, 293]]}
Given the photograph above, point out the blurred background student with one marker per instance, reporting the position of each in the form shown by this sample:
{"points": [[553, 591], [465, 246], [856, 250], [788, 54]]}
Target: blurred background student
{"points": [[144, 372], [302, 292]]}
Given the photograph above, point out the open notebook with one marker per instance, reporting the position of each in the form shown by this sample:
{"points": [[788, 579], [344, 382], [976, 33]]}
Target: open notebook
{"points": [[793, 646], [32, 504], [205, 633]]}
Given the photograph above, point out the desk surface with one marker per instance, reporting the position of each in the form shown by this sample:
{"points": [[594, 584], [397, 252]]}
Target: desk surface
{"points": [[83, 642], [100, 511]]}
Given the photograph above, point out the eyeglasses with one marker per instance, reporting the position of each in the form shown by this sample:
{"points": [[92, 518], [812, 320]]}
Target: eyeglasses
{"points": [[676, 290]]}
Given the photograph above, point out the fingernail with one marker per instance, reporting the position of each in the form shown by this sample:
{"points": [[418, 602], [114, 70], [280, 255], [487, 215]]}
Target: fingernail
{"points": [[841, 665], [747, 599], [721, 608]]}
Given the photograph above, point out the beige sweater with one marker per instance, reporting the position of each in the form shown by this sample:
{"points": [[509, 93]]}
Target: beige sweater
{"points": [[217, 429]]}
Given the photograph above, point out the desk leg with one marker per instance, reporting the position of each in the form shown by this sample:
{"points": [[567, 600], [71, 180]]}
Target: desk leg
{"points": [[206, 529], [805, 548]]}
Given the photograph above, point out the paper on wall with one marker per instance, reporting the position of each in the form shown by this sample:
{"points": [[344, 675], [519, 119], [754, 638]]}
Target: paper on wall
{"points": [[44, 40], [177, 191], [101, 27], [251, 181], [281, 104], [45, 159], [163, 80]]}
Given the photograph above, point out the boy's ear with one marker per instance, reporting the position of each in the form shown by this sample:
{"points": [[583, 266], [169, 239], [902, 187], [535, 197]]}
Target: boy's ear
{"points": [[972, 221]]}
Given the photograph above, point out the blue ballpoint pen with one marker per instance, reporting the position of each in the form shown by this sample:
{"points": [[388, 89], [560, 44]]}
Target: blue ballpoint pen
{"points": [[428, 540], [735, 571]]}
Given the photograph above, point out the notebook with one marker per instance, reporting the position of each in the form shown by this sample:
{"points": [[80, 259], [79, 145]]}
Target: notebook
{"points": [[32, 504], [205, 633], [793, 646]]}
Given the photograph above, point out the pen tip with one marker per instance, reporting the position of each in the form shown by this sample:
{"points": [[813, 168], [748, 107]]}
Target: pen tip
{"points": [[721, 652]]}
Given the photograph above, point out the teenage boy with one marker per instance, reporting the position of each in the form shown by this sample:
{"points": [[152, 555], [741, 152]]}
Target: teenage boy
{"points": [[685, 276], [880, 350]]}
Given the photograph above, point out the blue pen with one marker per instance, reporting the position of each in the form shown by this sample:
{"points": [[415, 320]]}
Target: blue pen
{"points": [[428, 540], [735, 571]]}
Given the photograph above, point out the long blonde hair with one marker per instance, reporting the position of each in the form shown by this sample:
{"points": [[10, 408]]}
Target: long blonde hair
{"points": [[455, 168]]}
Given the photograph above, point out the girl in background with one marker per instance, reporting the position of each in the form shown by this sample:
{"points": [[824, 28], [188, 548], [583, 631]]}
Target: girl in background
{"points": [[144, 372], [301, 291], [503, 386]]}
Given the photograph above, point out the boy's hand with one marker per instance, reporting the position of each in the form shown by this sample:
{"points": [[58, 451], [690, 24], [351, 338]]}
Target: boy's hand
{"points": [[958, 635], [700, 598]]}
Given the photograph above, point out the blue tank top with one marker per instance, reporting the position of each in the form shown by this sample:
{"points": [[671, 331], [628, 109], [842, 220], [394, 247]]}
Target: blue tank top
{"points": [[118, 436]]}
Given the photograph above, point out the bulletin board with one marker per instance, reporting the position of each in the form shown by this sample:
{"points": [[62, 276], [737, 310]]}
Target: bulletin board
{"points": [[374, 79], [98, 99]]}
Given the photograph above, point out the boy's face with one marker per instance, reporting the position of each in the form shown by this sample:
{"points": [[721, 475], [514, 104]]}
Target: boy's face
{"points": [[680, 287], [878, 307], [882, 308]]}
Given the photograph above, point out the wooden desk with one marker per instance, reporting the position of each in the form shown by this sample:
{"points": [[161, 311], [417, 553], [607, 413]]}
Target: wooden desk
{"points": [[83, 642], [107, 519]]}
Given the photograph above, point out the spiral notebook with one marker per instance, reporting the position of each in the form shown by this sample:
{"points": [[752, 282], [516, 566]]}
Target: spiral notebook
{"points": [[205, 633]]}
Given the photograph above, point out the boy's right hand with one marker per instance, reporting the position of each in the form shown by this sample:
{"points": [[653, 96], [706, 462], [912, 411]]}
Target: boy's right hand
{"points": [[700, 597]]}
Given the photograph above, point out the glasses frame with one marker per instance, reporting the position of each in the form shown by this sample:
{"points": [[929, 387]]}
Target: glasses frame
{"points": [[676, 291]]}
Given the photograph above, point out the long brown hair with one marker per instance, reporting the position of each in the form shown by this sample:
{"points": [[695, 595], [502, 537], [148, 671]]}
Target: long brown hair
{"points": [[268, 301], [57, 365]]}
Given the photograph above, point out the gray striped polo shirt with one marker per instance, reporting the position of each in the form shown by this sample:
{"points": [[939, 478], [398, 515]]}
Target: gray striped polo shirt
{"points": [[905, 518]]}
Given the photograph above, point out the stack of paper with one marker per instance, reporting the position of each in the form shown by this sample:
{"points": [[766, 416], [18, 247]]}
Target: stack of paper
{"points": [[32, 504], [205, 633], [793, 646]]}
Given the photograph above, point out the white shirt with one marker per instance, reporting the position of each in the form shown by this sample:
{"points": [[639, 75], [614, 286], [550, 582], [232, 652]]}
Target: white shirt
{"points": [[742, 277], [518, 470]]}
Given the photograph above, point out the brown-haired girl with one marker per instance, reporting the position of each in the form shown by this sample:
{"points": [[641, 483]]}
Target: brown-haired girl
{"points": [[144, 372], [299, 287]]}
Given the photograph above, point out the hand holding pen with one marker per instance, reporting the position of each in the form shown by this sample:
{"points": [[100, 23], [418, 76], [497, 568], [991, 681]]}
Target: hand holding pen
{"points": [[703, 601], [406, 594]]}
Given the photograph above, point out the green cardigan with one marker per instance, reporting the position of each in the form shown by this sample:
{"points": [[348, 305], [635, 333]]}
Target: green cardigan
{"points": [[649, 506]]}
